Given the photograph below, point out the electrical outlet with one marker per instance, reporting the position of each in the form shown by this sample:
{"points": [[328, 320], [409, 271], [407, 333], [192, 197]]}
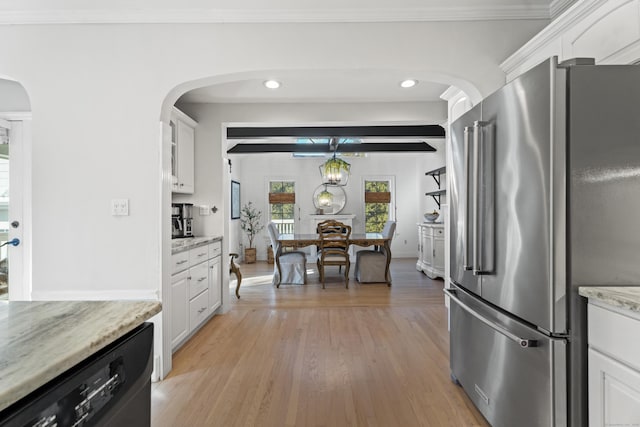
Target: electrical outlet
{"points": [[119, 207], [204, 210]]}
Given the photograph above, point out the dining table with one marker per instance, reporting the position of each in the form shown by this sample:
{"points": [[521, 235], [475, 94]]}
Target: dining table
{"points": [[296, 241]]}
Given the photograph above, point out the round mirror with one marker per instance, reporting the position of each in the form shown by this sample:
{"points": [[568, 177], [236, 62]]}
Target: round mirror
{"points": [[330, 199]]}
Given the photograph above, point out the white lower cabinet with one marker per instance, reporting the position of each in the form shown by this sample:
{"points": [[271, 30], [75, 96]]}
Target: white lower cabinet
{"points": [[614, 368], [431, 249], [215, 284], [196, 290], [198, 309], [179, 312]]}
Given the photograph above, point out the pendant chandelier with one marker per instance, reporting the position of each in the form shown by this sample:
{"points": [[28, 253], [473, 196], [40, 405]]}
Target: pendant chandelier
{"points": [[335, 171], [325, 198]]}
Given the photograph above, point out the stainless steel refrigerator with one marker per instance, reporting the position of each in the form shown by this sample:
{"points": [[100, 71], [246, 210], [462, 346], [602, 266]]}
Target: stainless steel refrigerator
{"points": [[544, 198]]}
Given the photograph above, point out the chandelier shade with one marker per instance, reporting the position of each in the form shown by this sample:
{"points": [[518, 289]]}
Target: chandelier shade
{"points": [[335, 171]]}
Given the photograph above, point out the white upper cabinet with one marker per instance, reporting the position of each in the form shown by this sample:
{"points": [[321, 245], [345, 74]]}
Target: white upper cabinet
{"points": [[182, 152]]}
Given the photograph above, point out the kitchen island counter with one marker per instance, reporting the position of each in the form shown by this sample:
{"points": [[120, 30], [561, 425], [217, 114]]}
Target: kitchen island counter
{"points": [[40, 340], [625, 297]]}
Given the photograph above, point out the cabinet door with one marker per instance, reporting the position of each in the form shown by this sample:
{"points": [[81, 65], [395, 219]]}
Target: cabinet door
{"points": [[427, 249], [174, 154], [438, 254], [614, 392], [179, 308], [215, 282], [185, 158]]}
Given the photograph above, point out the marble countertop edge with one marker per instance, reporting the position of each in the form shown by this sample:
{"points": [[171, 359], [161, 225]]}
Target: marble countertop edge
{"points": [[626, 297], [20, 377], [184, 244]]}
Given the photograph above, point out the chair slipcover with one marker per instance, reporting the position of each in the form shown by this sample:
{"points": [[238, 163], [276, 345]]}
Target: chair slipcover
{"points": [[292, 264], [371, 264]]}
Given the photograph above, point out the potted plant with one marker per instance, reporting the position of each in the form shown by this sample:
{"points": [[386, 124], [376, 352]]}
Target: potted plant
{"points": [[250, 223]]}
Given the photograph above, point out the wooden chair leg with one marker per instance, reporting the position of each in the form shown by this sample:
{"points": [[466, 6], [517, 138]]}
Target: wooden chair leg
{"points": [[233, 268], [346, 274]]}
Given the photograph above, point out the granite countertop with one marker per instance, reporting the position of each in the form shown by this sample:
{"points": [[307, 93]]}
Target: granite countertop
{"points": [[186, 243], [627, 297], [39, 340]]}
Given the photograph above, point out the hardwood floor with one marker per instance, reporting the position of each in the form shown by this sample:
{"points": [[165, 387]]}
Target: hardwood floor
{"points": [[300, 356]]}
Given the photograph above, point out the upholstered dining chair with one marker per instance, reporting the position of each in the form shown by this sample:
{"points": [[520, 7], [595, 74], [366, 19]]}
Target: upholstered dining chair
{"points": [[371, 264], [334, 248], [293, 265]]}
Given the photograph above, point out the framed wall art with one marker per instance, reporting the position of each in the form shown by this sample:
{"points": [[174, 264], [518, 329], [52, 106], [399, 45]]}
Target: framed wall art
{"points": [[235, 200]]}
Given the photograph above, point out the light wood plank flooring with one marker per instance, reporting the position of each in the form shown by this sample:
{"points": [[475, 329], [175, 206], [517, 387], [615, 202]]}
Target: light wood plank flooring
{"points": [[303, 356]]}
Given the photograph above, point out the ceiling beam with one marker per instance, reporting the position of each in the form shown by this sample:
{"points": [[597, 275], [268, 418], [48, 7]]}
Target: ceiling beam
{"points": [[421, 131], [369, 147]]}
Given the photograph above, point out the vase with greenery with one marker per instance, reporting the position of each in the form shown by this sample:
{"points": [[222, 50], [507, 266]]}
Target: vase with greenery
{"points": [[250, 223]]}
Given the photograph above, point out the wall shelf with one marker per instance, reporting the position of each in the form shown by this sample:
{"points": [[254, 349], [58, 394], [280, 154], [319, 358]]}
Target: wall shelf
{"points": [[436, 177], [436, 174], [436, 195]]}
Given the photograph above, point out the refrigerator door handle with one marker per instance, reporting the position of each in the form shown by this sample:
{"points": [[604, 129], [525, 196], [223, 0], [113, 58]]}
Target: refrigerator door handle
{"points": [[522, 342], [475, 243], [467, 206], [483, 208]]}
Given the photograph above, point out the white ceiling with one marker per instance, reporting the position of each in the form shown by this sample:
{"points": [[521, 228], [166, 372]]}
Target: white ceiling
{"points": [[325, 86]]}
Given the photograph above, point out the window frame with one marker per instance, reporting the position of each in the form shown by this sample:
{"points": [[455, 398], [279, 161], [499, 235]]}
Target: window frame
{"points": [[391, 179], [295, 204]]}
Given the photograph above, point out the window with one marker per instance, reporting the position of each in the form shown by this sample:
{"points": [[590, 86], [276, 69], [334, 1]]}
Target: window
{"points": [[378, 206], [282, 200]]}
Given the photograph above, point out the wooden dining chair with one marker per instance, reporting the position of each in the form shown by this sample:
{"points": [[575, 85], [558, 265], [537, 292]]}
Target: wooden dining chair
{"points": [[334, 248]]}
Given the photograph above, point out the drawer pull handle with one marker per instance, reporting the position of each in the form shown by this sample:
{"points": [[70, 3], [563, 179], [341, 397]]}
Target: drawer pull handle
{"points": [[201, 279], [202, 254], [181, 262], [201, 310], [522, 342]]}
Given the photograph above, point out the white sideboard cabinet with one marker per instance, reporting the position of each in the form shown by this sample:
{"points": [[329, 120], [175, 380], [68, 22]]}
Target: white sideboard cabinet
{"points": [[431, 249], [182, 152]]}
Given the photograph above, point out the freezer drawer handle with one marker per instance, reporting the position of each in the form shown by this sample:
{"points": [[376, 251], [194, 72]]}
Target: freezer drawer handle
{"points": [[522, 342]]}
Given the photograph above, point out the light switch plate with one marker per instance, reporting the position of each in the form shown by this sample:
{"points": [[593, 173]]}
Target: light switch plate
{"points": [[204, 210], [119, 207]]}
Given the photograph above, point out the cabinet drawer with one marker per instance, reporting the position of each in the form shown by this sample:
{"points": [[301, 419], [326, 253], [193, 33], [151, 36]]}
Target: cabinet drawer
{"points": [[198, 255], [427, 231], [215, 249], [198, 310], [199, 280], [438, 232], [611, 333], [179, 262]]}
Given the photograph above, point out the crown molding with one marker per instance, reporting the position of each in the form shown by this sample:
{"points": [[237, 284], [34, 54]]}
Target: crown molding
{"points": [[576, 12], [557, 7], [18, 116], [189, 16]]}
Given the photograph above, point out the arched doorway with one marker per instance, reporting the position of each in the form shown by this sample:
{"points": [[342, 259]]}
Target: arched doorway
{"points": [[219, 162], [15, 195]]}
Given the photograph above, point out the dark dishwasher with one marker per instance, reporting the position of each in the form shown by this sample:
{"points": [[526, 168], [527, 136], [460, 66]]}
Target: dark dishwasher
{"points": [[110, 388]]}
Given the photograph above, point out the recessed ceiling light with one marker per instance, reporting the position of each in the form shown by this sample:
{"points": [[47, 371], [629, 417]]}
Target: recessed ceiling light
{"points": [[408, 83], [272, 84]]}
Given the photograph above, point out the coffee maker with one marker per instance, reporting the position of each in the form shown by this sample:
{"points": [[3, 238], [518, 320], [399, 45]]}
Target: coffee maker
{"points": [[181, 220]]}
